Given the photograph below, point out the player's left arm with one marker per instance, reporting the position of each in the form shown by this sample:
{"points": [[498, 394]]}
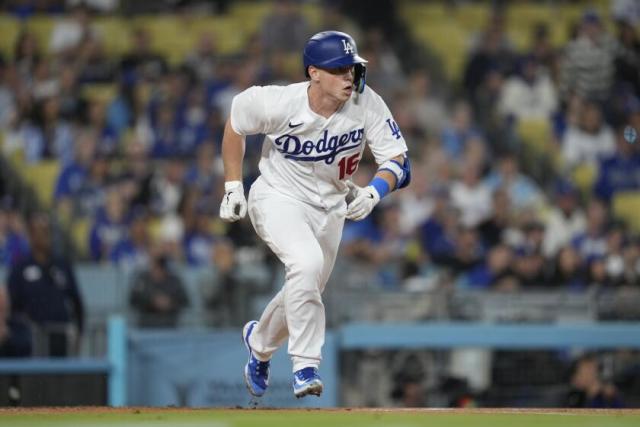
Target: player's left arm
{"points": [[392, 174], [395, 173]]}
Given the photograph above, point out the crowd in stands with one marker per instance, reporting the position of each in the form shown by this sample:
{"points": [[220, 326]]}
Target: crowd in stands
{"points": [[142, 167]]}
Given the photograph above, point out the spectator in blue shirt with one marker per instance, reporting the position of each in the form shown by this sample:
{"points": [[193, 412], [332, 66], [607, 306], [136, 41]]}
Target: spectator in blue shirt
{"points": [[110, 226], [619, 171], [72, 177]]}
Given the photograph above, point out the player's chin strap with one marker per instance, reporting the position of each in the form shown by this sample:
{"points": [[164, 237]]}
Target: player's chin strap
{"points": [[402, 172]]}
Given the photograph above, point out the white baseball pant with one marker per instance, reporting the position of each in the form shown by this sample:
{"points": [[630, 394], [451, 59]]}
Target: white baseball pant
{"points": [[306, 239]]}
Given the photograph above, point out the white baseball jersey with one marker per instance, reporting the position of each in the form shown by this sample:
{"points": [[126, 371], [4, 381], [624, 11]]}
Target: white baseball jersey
{"points": [[308, 156]]}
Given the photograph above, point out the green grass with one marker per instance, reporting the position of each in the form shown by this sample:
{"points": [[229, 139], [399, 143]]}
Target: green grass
{"points": [[313, 418]]}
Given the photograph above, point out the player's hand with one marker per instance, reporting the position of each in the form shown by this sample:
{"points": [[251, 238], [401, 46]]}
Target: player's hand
{"points": [[234, 204], [363, 203]]}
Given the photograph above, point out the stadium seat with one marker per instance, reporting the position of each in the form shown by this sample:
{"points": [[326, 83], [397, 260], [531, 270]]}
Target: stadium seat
{"points": [[104, 92], [448, 42], [584, 177], [10, 30], [626, 207], [537, 135], [115, 34], [80, 236], [41, 27], [42, 178]]}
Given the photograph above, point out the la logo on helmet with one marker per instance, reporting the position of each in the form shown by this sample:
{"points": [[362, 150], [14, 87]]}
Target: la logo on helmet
{"points": [[347, 47]]}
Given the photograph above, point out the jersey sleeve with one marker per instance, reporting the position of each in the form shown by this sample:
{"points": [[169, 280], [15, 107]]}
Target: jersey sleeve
{"points": [[249, 110], [382, 132]]}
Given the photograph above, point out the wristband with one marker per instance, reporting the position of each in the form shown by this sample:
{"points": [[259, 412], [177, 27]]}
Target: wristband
{"points": [[381, 186]]}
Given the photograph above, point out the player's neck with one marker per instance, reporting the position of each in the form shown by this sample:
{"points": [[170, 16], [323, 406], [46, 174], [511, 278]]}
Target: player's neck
{"points": [[321, 103]]}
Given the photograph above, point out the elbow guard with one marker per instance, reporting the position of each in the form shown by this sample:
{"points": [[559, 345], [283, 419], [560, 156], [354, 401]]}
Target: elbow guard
{"points": [[402, 171]]}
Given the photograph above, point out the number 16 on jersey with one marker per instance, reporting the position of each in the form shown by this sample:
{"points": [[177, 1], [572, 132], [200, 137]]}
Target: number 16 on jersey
{"points": [[348, 165]]}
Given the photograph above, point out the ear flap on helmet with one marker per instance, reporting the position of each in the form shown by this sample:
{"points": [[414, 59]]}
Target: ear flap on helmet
{"points": [[359, 77]]}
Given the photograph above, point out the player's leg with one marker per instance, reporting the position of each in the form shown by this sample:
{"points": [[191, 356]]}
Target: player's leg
{"points": [[329, 238], [297, 310]]}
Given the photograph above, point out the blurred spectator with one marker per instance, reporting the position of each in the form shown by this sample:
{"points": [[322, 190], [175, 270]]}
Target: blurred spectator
{"points": [[7, 102], [158, 296], [408, 380], [141, 62], [626, 10], [203, 60], [587, 69], [198, 238], [592, 242], [167, 186], [225, 296], [492, 51], [416, 204], [165, 133], [72, 103], [243, 78], [437, 234], [619, 171], [92, 62], [13, 240], [384, 70], [73, 176], [333, 17], [627, 60], [568, 272], [107, 137], [493, 229], [43, 83], [590, 140], [192, 128], [47, 135], [91, 197], [428, 108], [565, 219], [460, 132], [468, 253], [588, 390], [542, 50], [529, 94], [131, 253], [204, 175], [68, 34], [471, 196], [494, 267], [26, 54], [285, 29], [43, 294], [523, 192], [615, 258], [379, 242], [529, 263], [109, 226]]}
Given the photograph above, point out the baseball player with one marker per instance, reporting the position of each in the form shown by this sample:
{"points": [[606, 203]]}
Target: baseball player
{"points": [[315, 133]]}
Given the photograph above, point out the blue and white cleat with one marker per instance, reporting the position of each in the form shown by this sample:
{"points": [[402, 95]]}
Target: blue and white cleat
{"points": [[256, 372], [307, 381]]}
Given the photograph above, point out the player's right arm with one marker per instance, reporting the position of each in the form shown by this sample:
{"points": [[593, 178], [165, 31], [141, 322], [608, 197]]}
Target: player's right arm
{"points": [[248, 117], [234, 204], [233, 146]]}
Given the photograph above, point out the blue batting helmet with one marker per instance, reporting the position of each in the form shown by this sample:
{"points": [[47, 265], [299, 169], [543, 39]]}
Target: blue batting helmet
{"points": [[334, 49]]}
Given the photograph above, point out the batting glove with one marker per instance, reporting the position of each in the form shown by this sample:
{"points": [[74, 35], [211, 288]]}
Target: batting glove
{"points": [[363, 203], [234, 204]]}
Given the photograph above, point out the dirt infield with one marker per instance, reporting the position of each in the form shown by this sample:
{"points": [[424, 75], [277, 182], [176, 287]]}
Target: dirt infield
{"points": [[466, 411]]}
